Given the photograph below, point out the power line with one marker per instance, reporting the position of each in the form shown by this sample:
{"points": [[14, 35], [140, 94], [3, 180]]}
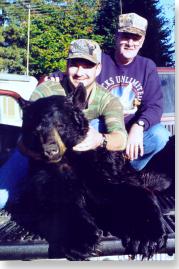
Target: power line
{"points": [[35, 8]]}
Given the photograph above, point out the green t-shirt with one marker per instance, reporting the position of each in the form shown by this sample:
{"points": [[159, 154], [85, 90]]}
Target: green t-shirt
{"points": [[101, 104]]}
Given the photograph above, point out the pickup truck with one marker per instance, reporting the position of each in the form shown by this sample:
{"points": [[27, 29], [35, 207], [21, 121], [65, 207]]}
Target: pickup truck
{"points": [[18, 244]]}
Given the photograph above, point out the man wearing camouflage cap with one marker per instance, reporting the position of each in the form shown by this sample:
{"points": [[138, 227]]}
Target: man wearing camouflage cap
{"points": [[83, 66], [135, 81]]}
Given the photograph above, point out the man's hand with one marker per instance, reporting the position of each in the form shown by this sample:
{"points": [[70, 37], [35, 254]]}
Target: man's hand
{"points": [[56, 76], [92, 141], [135, 142], [56, 79]]}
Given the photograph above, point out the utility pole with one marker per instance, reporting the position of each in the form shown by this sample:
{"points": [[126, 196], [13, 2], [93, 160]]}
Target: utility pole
{"points": [[120, 7], [28, 40]]}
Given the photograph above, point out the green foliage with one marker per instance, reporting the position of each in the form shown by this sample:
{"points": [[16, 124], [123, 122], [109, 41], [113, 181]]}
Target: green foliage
{"points": [[12, 52], [52, 29], [55, 23], [106, 21]]}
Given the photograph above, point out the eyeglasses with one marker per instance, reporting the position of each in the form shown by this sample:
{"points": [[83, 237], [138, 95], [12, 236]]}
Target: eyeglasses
{"points": [[125, 37]]}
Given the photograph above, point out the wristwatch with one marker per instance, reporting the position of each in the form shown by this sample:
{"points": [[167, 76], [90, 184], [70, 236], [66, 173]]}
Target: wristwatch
{"points": [[140, 123], [104, 141]]}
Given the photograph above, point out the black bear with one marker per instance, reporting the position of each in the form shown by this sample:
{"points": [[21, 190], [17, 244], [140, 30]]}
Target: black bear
{"points": [[70, 197]]}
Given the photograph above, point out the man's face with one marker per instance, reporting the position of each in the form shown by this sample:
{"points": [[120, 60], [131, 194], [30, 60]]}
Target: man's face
{"points": [[128, 45], [84, 71]]}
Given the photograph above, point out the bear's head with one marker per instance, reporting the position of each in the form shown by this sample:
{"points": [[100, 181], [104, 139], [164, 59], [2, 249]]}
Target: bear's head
{"points": [[53, 124]]}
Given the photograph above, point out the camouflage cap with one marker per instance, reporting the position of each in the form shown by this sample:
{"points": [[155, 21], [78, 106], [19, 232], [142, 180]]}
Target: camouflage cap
{"points": [[132, 23], [85, 49]]}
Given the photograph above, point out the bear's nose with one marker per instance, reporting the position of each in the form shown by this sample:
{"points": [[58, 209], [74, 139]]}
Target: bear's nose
{"points": [[51, 150]]}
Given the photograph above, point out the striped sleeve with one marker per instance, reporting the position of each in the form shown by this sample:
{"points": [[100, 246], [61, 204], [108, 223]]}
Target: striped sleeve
{"points": [[47, 88], [112, 112], [108, 107]]}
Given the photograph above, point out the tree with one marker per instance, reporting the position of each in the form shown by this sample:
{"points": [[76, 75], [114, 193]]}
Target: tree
{"points": [[52, 34], [12, 41], [157, 46], [54, 24], [106, 21]]}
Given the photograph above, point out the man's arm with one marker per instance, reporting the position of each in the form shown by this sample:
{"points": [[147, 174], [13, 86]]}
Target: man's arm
{"points": [[151, 108], [47, 88], [111, 110], [150, 112], [113, 141]]}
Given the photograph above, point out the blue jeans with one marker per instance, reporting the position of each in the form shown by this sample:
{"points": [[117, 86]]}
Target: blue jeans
{"points": [[155, 139], [12, 173], [16, 168]]}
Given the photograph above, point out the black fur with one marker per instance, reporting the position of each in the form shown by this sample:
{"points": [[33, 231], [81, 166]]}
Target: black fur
{"points": [[70, 201]]}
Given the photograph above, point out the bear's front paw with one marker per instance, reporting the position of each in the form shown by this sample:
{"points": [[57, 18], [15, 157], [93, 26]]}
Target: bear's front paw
{"points": [[143, 246]]}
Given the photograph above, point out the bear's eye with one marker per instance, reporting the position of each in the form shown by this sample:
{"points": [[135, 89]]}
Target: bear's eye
{"points": [[59, 125], [38, 129], [35, 133]]}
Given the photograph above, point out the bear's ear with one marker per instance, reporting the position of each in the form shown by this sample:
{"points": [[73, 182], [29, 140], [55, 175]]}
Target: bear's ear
{"points": [[78, 96], [23, 103]]}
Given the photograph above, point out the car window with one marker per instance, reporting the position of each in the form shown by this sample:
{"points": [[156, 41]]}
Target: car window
{"points": [[168, 86]]}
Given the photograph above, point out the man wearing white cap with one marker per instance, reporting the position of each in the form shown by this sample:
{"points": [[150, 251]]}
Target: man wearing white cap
{"points": [[135, 81], [83, 66]]}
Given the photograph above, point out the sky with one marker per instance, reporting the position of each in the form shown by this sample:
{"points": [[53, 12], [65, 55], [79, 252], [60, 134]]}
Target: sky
{"points": [[168, 9]]}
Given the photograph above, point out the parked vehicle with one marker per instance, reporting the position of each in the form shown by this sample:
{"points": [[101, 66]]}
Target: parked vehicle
{"points": [[9, 109], [25, 246], [167, 77]]}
